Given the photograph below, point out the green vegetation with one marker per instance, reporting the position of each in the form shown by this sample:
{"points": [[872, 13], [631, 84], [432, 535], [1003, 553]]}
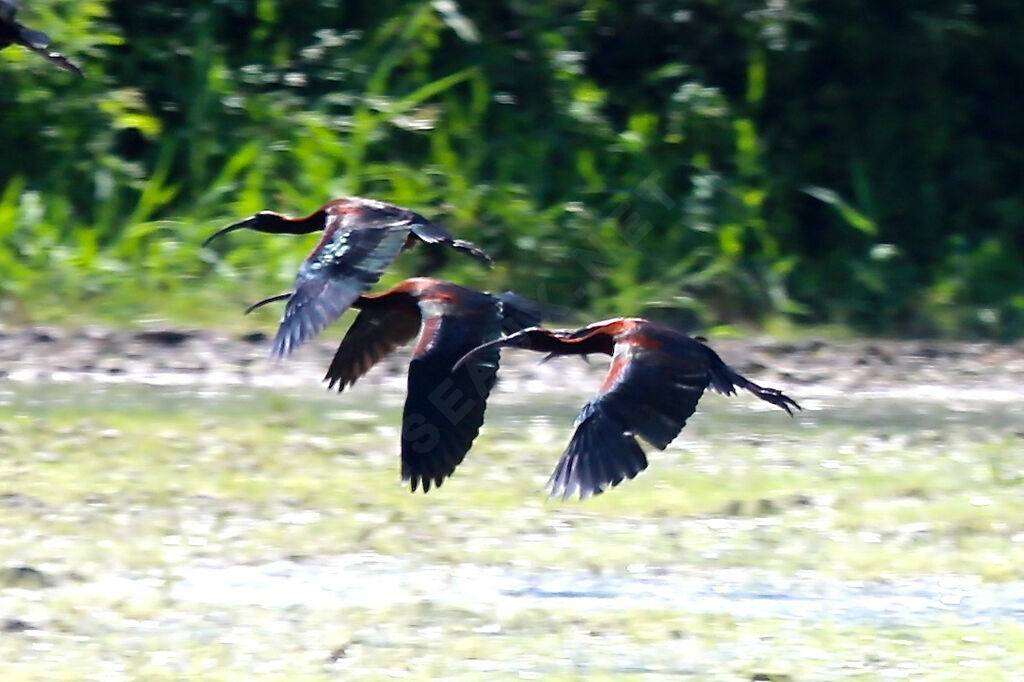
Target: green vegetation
{"points": [[731, 161], [429, 642], [867, 490], [108, 483]]}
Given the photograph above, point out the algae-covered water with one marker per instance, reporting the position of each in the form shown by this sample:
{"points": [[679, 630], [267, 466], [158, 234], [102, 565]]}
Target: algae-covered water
{"points": [[236, 532]]}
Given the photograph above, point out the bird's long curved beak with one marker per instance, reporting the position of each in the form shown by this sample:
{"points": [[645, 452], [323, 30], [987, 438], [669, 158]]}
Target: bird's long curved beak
{"points": [[479, 349], [241, 225], [272, 299], [517, 340]]}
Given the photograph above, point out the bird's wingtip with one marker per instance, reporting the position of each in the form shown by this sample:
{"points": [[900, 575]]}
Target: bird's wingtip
{"points": [[473, 250], [285, 342]]}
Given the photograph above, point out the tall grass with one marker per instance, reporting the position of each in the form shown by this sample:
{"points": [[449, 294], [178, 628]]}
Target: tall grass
{"points": [[614, 159]]}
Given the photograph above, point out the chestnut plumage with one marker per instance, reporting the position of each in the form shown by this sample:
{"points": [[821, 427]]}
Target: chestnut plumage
{"points": [[656, 378], [444, 407], [361, 238]]}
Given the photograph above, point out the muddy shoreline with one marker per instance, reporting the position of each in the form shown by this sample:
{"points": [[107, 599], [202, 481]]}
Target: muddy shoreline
{"points": [[185, 356]]}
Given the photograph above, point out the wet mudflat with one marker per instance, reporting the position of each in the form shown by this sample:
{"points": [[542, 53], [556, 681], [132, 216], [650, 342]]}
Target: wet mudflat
{"points": [[228, 525]]}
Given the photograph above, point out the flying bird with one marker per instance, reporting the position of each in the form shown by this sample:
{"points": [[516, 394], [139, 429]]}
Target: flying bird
{"points": [[15, 33], [361, 238], [656, 378], [444, 407]]}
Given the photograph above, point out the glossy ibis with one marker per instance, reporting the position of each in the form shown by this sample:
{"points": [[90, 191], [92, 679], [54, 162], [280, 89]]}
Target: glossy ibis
{"points": [[444, 407], [656, 378], [362, 237], [15, 33]]}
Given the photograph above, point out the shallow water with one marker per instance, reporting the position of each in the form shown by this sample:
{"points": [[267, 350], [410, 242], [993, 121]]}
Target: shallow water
{"points": [[248, 524], [909, 406], [369, 580]]}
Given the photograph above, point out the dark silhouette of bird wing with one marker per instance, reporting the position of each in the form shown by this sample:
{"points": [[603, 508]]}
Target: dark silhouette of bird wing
{"points": [[650, 395], [600, 455], [376, 333], [349, 259], [317, 302], [645, 394], [517, 312], [444, 408], [358, 245], [652, 388]]}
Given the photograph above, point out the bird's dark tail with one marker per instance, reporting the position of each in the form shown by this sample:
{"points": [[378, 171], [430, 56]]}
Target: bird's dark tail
{"points": [[726, 380]]}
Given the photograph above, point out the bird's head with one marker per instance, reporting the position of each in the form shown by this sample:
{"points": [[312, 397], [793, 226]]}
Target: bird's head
{"points": [[272, 223]]}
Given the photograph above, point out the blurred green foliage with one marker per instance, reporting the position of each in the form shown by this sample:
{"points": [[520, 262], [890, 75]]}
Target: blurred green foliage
{"points": [[715, 161]]}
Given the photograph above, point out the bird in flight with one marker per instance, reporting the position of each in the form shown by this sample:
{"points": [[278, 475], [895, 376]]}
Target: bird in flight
{"points": [[14, 33], [361, 238], [656, 378], [444, 407]]}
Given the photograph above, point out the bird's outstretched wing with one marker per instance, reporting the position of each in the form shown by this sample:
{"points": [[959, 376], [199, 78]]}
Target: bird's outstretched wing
{"points": [[517, 312], [375, 333], [316, 303], [650, 395], [444, 407], [600, 455], [350, 258], [643, 395], [652, 388]]}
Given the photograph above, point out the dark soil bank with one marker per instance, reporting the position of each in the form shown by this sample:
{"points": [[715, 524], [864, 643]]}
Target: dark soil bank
{"points": [[201, 356]]}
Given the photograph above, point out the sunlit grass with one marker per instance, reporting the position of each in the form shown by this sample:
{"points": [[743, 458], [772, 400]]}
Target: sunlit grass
{"points": [[116, 640], [785, 494], [153, 483]]}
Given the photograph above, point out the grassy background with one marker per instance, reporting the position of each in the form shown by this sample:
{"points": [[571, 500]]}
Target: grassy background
{"points": [[727, 162], [734, 162], [110, 483]]}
